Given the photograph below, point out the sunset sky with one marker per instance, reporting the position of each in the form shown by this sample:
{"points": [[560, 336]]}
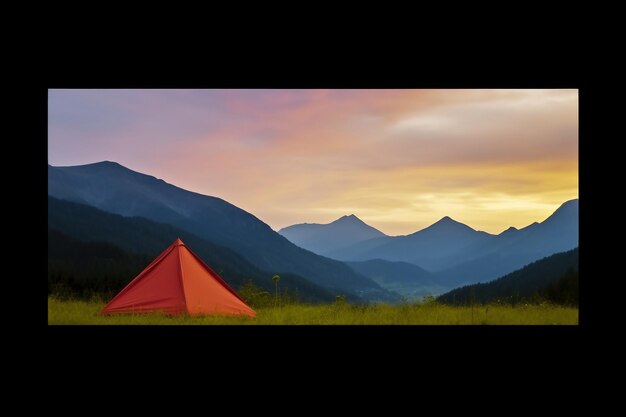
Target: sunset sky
{"points": [[398, 159]]}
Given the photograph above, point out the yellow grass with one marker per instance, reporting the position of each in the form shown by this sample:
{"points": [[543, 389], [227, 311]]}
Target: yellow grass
{"points": [[87, 312]]}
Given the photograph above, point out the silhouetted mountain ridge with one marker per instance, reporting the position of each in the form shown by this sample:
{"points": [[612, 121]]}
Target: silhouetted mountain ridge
{"points": [[508, 252], [431, 248], [82, 237], [116, 189], [324, 238], [457, 254]]}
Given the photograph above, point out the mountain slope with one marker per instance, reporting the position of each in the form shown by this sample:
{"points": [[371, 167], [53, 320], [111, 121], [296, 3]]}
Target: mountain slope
{"points": [[406, 279], [459, 255], [116, 189], [355, 251], [557, 233], [325, 238], [536, 277], [432, 248], [510, 251], [75, 228]]}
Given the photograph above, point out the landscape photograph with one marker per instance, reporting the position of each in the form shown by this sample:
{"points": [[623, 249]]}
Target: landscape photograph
{"points": [[313, 207]]}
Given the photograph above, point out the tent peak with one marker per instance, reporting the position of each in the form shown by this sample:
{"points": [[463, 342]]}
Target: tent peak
{"points": [[179, 242]]}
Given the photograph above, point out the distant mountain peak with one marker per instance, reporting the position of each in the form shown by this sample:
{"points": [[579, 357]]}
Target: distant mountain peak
{"points": [[447, 220], [570, 202], [348, 218], [566, 212], [510, 230], [113, 166], [107, 163], [323, 238], [445, 224], [530, 226]]}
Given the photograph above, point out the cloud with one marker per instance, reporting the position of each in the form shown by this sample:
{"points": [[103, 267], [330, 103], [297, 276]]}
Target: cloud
{"points": [[400, 158]]}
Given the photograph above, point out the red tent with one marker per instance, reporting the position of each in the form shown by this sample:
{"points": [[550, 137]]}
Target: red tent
{"points": [[178, 282]]}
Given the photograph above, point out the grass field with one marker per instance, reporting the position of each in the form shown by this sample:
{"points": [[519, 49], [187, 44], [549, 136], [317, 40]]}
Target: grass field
{"points": [[87, 312]]}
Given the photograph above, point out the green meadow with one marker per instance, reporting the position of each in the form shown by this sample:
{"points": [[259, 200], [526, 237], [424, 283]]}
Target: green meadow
{"points": [[431, 313]]}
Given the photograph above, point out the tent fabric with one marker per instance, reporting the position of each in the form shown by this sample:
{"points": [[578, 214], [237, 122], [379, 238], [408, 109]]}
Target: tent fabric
{"points": [[178, 282]]}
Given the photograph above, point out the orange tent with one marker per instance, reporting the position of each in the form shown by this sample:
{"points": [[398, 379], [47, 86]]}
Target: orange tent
{"points": [[178, 282]]}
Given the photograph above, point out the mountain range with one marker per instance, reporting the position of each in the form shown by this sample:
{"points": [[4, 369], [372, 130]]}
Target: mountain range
{"points": [[454, 253], [431, 248], [138, 213], [113, 188]]}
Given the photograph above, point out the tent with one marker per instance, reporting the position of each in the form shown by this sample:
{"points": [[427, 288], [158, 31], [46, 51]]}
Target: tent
{"points": [[178, 282]]}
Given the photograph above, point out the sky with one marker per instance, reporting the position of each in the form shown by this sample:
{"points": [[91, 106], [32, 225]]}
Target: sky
{"points": [[398, 159]]}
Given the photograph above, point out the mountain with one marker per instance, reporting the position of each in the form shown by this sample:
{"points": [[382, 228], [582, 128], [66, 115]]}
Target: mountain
{"points": [[325, 238], [512, 250], [355, 252], [459, 255], [555, 276], [408, 280], [432, 248], [113, 188], [103, 251]]}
